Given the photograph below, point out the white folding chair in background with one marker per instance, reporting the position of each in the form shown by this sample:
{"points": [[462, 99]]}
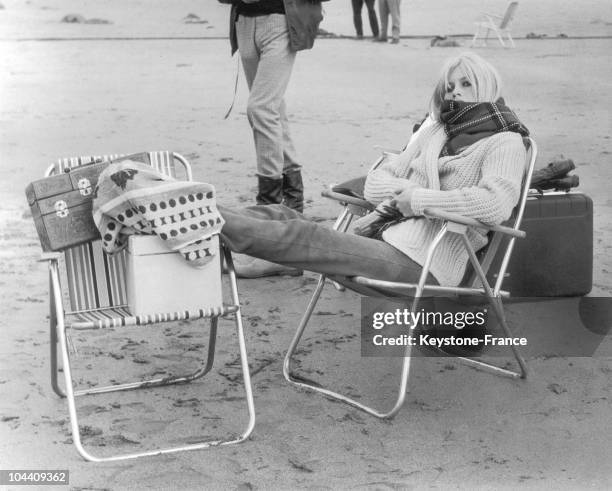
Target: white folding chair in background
{"points": [[501, 241], [499, 24], [96, 299]]}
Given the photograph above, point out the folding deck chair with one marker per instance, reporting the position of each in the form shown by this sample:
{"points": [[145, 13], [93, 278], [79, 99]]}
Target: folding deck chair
{"points": [[96, 290], [499, 24], [501, 240]]}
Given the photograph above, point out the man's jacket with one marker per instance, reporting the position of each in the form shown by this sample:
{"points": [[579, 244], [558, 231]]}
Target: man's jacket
{"points": [[303, 19]]}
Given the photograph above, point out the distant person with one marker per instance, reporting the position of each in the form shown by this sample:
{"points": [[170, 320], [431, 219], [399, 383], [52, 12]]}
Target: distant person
{"points": [[268, 34], [388, 8], [357, 8]]}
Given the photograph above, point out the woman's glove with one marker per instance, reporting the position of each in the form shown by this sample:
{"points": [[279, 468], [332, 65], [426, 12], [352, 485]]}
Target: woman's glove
{"points": [[374, 223]]}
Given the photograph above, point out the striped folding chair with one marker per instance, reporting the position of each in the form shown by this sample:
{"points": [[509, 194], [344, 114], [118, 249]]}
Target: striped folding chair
{"points": [[95, 298]]}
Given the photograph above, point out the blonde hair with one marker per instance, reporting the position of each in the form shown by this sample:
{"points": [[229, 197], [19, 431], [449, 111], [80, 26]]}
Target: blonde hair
{"points": [[480, 73]]}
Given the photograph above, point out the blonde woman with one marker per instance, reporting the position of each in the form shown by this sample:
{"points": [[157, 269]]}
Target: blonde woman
{"points": [[468, 157]]}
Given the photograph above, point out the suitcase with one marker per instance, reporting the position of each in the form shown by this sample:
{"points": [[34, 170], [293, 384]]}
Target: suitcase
{"points": [[556, 257], [61, 204]]}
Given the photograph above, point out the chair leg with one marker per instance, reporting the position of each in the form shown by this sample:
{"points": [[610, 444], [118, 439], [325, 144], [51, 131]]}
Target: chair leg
{"points": [[246, 375], [500, 38], [71, 394], [495, 369], [496, 303], [475, 38], [53, 341], [501, 317], [157, 382], [298, 381], [161, 381]]}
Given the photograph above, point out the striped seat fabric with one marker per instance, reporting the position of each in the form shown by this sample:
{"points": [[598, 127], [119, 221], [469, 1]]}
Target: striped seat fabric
{"points": [[121, 317]]}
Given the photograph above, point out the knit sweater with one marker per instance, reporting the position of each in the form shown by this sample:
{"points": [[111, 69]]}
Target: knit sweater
{"points": [[482, 181]]}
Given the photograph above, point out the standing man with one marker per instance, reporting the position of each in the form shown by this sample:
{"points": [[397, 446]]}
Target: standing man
{"points": [[392, 8], [268, 34], [357, 21]]}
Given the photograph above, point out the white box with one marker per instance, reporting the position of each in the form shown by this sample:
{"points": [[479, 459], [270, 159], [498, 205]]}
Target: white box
{"points": [[161, 281]]}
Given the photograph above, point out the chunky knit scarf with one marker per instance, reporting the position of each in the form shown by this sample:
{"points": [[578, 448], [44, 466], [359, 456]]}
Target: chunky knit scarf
{"points": [[467, 122], [133, 198]]}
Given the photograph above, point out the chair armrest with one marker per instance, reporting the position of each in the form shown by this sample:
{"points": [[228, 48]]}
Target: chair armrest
{"points": [[492, 19], [49, 256], [470, 222], [350, 200], [489, 14]]}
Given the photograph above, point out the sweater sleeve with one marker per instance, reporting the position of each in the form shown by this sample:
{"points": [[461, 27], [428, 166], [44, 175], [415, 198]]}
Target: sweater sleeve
{"points": [[496, 194], [394, 173], [383, 181]]}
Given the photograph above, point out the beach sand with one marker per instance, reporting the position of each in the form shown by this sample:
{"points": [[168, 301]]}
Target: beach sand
{"points": [[131, 85]]}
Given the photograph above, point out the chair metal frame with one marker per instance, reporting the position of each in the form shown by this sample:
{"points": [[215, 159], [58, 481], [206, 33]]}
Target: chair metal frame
{"points": [[456, 224], [60, 325], [499, 24]]}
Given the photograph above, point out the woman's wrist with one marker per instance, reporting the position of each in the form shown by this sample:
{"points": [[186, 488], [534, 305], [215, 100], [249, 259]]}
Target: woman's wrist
{"points": [[403, 199]]}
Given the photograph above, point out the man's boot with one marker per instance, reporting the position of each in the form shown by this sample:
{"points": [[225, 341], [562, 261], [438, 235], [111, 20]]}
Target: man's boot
{"points": [[270, 190], [293, 190]]}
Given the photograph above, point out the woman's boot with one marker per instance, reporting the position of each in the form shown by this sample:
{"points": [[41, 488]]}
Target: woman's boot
{"points": [[293, 190]]}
